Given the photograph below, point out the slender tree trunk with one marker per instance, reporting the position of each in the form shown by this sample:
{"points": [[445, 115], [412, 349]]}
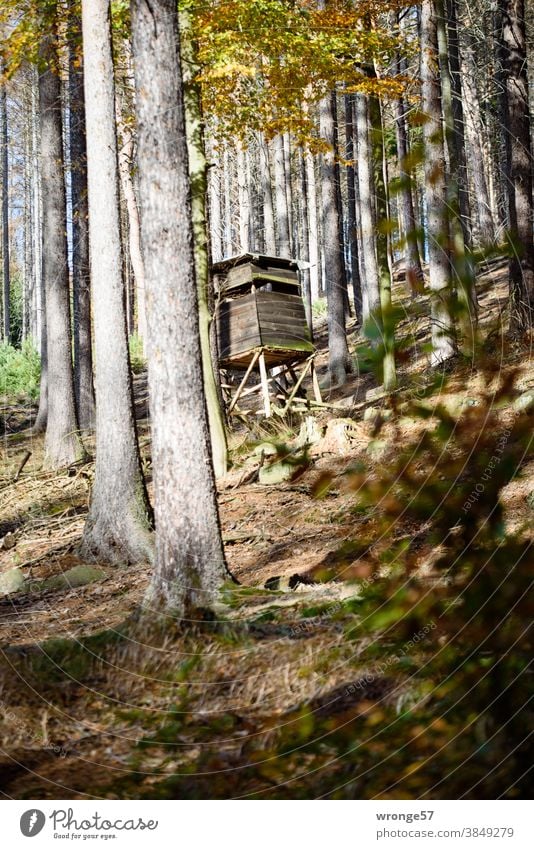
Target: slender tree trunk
{"points": [[126, 165], [351, 206], [519, 155], [227, 179], [243, 185], [267, 194], [371, 308], [189, 564], [62, 443], [117, 529], [83, 357], [414, 271], [6, 288], [389, 374], [198, 181], [289, 191], [339, 360], [215, 206], [313, 238], [441, 295], [280, 197], [474, 131], [458, 198], [303, 238]]}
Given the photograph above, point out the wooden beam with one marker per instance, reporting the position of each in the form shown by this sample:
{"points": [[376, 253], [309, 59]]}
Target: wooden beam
{"points": [[265, 386], [242, 384]]}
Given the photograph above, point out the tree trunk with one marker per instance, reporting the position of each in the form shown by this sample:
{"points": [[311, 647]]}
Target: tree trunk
{"points": [[338, 352], [83, 356], [117, 529], [313, 224], [519, 155], [198, 181], [126, 165], [189, 564], [62, 443], [408, 222], [351, 206], [269, 231], [474, 131], [243, 186], [442, 325], [6, 288], [280, 198], [371, 308], [458, 198], [303, 239], [387, 324]]}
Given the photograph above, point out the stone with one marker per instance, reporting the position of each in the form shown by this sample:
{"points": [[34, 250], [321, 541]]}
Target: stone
{"points": [[11, 581], [376, 448], [525, 402], [275, 473], [310, 432], [343, 436], [373, 413], [78, 576], [530, 500]]}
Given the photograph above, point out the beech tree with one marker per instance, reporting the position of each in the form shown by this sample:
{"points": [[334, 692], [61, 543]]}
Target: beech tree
{"points": [[189, 564], [118, 525]]}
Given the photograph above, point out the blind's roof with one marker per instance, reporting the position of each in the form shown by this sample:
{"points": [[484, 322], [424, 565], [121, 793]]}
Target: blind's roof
{"points": [[225, 265]]}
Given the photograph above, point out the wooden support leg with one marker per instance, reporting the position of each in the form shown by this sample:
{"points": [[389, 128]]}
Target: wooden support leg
{"points": [[315, 382], [242, 384], [265, 386]]}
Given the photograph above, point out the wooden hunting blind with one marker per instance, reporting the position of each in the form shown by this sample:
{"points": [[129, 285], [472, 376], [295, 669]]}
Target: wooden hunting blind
{"points": [[260, 319], [260, 307]]}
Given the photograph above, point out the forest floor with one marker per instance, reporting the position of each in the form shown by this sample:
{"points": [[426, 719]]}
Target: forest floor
{"points": [[246, 704]]}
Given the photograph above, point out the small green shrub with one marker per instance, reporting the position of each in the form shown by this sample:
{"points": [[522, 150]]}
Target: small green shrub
{"points": [[137, 354], [20, 370]]}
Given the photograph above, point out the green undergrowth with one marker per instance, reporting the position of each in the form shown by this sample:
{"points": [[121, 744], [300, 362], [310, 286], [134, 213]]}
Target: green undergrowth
{"points": [[20, 371]]}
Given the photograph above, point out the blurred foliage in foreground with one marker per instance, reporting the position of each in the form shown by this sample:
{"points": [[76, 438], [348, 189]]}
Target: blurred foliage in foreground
{"points": [[442, 705]]}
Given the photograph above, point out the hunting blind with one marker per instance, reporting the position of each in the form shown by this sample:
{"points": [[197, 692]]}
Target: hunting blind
{"points": [[261, 324]]}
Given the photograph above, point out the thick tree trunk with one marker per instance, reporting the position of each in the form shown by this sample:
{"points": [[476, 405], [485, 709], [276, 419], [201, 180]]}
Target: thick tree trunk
{"points": [[441, 294], [62, 443], [83, 356], [117, 529], [189, 554], [280, 198], [6, 283], [338, 358], [519, 154]]}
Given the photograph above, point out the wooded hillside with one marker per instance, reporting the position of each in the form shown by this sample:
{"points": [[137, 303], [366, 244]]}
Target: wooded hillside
{"points": [[266, 383]]}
